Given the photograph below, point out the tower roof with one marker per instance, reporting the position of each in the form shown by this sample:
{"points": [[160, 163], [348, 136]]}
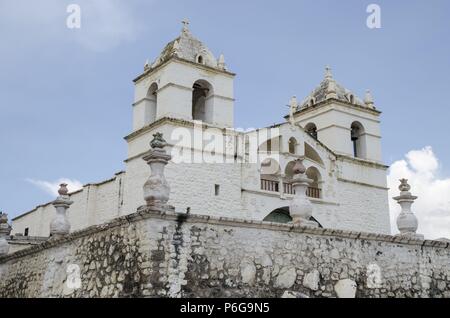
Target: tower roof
{"points": [[329, 88], [189, 48]]}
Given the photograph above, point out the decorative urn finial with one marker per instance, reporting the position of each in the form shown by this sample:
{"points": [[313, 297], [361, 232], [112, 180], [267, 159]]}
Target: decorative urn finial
{"points": [[5, 231], [156, 188], [404, 187], [299, 168], [158, 141], [63, 189], [301, 207], [60, 225], [407, 222]]}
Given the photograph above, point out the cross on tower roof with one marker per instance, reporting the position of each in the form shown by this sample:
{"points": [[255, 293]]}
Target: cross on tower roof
{"points": [[185, 24]]}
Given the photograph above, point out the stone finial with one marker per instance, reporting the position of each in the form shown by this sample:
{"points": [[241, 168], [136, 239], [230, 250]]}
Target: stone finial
{"points": [[331, 89], [293, 104], [5, 231], [63, 189], [158, 141], [368, 99], [406, 221], [301, 207], [156, 188], [60, 225], [221, 62], [328, 74], [146, 65]]}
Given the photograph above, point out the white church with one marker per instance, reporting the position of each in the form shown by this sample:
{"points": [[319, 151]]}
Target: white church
{"points": [[187, 95]]}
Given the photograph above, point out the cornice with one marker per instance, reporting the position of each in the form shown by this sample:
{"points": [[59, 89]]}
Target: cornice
{"points": [[181, 60]]}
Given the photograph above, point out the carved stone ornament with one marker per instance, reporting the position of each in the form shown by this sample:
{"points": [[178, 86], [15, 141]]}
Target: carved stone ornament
{"points": [[60, 225], [301, 207], [407, 222], [5, 231], [156, 188]]}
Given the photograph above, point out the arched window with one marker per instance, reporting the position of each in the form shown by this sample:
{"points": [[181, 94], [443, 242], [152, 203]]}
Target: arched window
{"points": [[292, 145], [357, 136], [201, 101], [200, 59], [314, 190], [311, 129], [151, 104]]}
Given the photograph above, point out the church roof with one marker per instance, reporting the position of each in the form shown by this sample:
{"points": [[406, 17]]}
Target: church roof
{"points": [[189, 48], [329, 88]]}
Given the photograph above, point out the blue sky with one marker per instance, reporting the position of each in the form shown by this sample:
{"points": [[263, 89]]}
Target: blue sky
{"points": [[66, 95]]}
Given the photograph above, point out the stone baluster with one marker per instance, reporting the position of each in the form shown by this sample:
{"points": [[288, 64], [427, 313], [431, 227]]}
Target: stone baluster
{"points": [[60, 225], [5, 231], [301, 207], [406, 221], [156, 188]]}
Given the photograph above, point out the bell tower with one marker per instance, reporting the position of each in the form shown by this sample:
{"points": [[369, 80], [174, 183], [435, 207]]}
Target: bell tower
{"points": [[339, 119], [185, 82]]}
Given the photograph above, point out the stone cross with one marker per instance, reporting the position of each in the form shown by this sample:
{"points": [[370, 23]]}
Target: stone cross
{"points": [[406, 221], [60, 225], [301, 207], [156, 188], [5, 231], [185, 23]]}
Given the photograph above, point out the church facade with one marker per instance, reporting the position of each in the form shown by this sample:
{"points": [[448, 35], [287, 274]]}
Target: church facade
{"points": [[187, 95]]}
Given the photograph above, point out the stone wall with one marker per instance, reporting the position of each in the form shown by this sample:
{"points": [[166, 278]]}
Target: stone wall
{"points": [[191, 185], [361, 207], [95, 203], [176, 255]]}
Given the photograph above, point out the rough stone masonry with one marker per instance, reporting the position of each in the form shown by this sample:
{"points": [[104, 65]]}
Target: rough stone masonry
{"points": [[164, 254]]}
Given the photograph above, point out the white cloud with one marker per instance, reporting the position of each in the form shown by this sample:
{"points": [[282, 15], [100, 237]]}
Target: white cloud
{"points": [[432, 207], [52, 187], [105, 24]]}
